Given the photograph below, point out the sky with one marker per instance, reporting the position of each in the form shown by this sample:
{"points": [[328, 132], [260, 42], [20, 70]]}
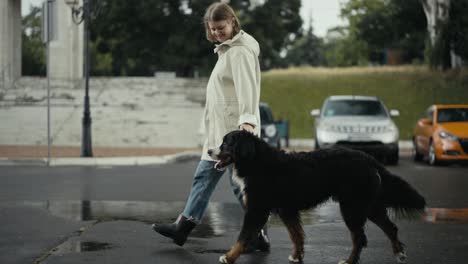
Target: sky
{"points": [[324, 13]]}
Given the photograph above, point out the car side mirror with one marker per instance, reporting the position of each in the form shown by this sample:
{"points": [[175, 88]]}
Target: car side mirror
{"points": [[315, 112], [394, 113], [425, 122]]}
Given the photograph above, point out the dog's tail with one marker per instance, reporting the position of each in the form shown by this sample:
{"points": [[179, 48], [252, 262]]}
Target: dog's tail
{"points": [[399, 195]]}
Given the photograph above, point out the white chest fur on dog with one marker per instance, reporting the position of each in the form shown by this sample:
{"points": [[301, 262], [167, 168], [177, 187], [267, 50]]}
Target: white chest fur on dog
{"points": [[239, 182]]}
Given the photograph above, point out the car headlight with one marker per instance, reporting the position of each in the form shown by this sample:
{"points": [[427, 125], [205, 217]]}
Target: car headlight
{"points": [[447, 135], [390, 128], [327, 128], [270, 130]]}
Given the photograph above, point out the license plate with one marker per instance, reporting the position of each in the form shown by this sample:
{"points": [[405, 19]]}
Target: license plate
{"points": [[358, 138]]}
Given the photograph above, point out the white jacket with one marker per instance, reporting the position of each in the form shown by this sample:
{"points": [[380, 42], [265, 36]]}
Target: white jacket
{"points": [[233, 90]]}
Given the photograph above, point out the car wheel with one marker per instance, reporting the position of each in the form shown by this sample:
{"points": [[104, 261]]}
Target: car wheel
{"points": [[416, 155], [432, 157]]}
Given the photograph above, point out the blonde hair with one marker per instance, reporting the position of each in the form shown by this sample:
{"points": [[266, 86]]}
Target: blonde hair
{"points": [[218, 12]]}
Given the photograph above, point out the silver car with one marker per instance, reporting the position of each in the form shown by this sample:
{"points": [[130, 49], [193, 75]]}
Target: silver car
{"points": [[357, 122]]}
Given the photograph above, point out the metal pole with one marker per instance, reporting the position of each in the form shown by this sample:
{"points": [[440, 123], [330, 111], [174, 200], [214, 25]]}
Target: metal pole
{"points": [[48, 101], [48, 39], [86, 147]]}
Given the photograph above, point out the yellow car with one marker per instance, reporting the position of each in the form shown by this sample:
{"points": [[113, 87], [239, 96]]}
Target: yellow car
{"points": [[442, 135]]}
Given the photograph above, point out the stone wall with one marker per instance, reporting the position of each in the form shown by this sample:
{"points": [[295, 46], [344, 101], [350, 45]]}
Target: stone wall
{"points": [[125, 112]]}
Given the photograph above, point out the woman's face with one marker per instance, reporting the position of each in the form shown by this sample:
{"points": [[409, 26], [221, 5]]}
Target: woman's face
{"points": [[221, 30]]}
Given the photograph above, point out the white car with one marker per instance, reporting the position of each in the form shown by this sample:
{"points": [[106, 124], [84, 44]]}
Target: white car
{"points": [[357, 122]]}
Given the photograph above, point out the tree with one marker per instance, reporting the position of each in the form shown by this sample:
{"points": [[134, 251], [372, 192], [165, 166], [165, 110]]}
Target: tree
{"points": [[275, 25], [33, 60], [398, 24], [342, 49], [459, 28], [306, 50], [143, 36], [451, 35]]}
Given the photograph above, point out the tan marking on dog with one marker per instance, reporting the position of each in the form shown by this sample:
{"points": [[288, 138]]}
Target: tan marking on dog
{"points": [[235, 252], [297, 237]]}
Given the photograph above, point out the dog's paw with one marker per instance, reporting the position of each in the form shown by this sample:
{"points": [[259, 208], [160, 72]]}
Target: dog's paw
{"points": [[223, 259], [401, 257], [293, 260], [342, 262]]}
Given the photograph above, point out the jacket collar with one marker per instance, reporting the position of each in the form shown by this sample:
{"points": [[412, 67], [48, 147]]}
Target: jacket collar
{"points": [[229, 42]]}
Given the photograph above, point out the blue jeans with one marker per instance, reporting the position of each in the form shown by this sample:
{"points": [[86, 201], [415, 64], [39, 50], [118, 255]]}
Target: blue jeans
{"points": [[204, 182]]}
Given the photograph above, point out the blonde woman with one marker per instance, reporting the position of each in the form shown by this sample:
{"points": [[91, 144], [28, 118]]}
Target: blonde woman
{"points": [[232, 102]]}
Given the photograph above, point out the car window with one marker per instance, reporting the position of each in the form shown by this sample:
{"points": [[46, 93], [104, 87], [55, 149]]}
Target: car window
{"points": [[452, 115], [353, 107], [266, 117]]}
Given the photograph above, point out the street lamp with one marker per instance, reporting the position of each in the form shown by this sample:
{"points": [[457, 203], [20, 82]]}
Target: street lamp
{"points": [[83, 14]]}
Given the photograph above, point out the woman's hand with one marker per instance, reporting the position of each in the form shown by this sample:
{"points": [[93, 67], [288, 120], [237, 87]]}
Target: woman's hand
{"points": [[247, 127]]}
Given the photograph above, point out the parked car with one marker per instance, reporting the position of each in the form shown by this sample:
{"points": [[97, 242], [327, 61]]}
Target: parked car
{"points": [[269, 130], [357, 122], [442, 134]]}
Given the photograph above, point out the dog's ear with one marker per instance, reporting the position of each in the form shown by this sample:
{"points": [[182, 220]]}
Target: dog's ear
{"points": [[244, 148]]}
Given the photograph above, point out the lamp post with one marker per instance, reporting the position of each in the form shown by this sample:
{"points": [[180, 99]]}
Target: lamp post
{"points": [[83, 14]]}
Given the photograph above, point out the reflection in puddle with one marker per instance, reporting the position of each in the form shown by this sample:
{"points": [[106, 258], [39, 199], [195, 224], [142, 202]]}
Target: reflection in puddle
{"points": [[435, 215], [71, 246], [220, 217]]}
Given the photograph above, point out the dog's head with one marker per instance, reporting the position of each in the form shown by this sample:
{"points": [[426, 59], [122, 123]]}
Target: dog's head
{"points": [[237, 146]]}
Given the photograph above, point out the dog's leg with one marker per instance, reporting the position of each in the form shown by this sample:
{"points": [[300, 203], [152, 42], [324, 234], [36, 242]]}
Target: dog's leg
{"points": [[254, 220], [380, 218], [355, 217], [292, 220]]}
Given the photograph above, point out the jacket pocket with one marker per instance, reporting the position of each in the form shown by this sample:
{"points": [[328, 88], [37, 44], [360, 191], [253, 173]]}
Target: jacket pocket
{"points": [[231, 116]]}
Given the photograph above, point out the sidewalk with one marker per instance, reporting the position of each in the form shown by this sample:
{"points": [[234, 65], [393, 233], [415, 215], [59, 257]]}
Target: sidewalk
{"points": [[128, 156], [102, 156]]}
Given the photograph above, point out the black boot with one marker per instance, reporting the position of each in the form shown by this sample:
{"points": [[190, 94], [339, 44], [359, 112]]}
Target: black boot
{"points": [[178, 231], [263, 241], [260, 243]]}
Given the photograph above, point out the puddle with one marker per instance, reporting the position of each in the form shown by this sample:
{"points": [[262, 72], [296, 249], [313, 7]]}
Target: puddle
{"points": [[72, 246], [219, 219], [443, 215], [210, 251]]}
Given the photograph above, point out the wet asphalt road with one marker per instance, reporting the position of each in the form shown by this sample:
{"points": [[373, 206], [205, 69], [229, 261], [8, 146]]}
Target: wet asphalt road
{"points": [[102, 215]]}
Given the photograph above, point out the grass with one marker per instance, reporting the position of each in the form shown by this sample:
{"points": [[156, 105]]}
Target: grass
{"points": [[293, 93]]}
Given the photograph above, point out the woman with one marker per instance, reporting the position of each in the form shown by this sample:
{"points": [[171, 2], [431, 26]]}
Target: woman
{"points": [[232, 102]]}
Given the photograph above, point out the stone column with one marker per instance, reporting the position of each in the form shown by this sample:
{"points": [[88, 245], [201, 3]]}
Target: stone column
{"points": [[10, 41], [66, 52]]}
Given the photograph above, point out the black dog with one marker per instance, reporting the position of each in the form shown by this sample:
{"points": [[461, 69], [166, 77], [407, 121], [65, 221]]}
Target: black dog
{"points": [[275, 181]]}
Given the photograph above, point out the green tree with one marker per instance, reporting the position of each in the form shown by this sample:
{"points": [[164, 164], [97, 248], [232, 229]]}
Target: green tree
{"points": [[139, 35], [398, 24], [459, 28], [342, 49], [453, 36], [143, 36], [275, 25], [33, 60], [306, 50]]}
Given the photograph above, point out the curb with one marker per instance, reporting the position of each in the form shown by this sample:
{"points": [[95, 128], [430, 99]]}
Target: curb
{"points": [[405, 148]]}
